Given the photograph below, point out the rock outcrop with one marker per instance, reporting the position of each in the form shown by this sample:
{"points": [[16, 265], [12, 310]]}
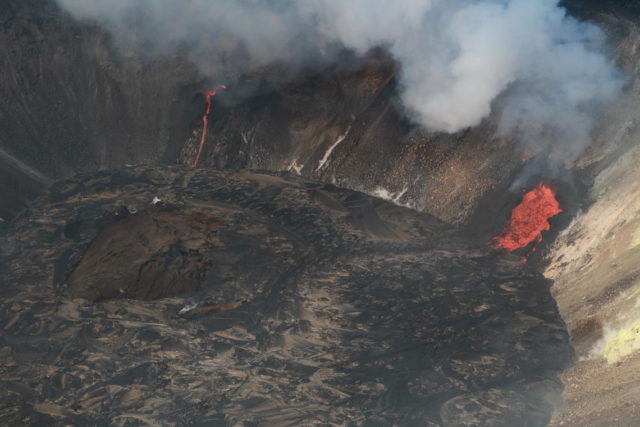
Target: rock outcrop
{"points": [[165, 296]]}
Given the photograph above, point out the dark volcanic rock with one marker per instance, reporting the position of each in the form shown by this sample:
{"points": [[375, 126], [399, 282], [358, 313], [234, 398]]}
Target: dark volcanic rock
{"points": [[150, 255], [292, 303], [164, 252]]}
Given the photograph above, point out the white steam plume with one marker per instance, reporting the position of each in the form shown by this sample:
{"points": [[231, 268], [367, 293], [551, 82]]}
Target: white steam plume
{"points": [[457, 56]]}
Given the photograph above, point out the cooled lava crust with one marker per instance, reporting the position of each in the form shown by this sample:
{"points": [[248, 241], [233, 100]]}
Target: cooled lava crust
{"points": [[171, 297]]}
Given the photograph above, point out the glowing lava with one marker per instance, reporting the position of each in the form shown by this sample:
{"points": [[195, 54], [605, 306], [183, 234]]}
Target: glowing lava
{"points": [[205, 121], [528, 219]]}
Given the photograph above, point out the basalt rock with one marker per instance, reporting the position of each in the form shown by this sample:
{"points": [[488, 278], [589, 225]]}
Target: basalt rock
{"points": [[147, 256], [167, 251], [173, 297]]}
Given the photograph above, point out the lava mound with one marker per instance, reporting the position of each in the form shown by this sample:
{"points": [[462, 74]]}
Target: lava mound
{"points": [[150, 255], [166, 252], [171, 297]]}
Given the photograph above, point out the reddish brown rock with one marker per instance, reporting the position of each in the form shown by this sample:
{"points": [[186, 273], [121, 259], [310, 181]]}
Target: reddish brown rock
{"points": [[148, 255]]}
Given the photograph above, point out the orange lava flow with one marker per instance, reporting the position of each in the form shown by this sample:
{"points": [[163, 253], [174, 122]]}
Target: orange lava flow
{"points": [[205, 122], [528, 219]]}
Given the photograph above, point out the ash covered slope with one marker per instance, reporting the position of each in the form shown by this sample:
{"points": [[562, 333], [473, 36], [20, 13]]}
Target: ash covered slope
{"points": [[594, 262], [284, 302]]}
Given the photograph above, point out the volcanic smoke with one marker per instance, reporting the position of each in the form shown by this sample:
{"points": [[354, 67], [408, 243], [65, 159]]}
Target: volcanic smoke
{"points": [[456, 57], [528, 219], [205, 121]]}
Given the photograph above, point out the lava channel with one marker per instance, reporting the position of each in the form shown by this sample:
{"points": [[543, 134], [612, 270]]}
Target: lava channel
{"points": [[205, 121], [529, 219]]}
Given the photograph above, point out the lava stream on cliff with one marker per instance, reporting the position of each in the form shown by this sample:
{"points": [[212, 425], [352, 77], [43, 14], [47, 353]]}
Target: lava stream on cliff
{"points": [[205, 121], [528, 219]]}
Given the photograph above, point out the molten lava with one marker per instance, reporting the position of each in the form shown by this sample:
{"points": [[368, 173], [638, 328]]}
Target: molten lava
{"points": [[205, 121], [529, 219]]}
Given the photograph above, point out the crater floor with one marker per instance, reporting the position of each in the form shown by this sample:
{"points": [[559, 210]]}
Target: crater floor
{"points": [[266, 299]]}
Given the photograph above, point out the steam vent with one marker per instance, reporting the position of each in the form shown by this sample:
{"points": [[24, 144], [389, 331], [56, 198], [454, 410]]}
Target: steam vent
{"points": [[281, 213]]}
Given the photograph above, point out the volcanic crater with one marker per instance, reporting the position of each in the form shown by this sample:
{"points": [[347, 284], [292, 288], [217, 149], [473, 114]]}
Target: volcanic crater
{"points": [[296, 250]]}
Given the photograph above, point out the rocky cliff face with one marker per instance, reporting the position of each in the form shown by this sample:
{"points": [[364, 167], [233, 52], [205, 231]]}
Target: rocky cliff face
{"points": [[72, 104], [594, 261], [69, 103], [155, 295]]}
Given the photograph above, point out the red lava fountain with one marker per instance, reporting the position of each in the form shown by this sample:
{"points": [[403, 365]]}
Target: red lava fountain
{"points": [[528, 219], [205, 121]]}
